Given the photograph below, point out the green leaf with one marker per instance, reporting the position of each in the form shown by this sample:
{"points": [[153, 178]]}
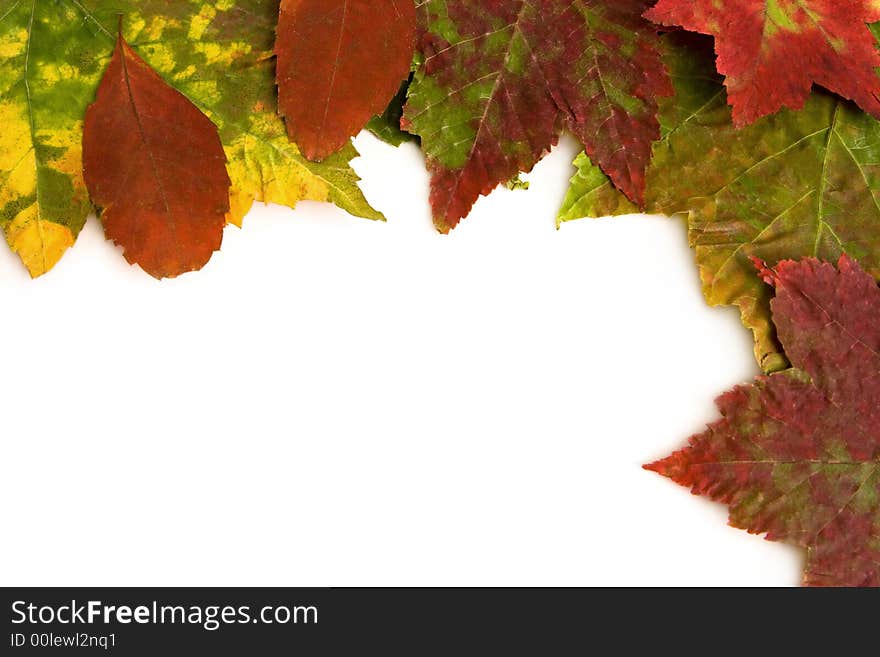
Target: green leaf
{"points": [[386, 126], [43, 99]]}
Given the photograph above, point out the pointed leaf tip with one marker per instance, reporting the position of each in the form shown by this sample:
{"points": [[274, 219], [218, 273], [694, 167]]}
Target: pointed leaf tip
{"points": [[764, 271], [794, 454]]}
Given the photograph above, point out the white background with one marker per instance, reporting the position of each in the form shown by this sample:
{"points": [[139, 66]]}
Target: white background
{"points": [[334, 401]]}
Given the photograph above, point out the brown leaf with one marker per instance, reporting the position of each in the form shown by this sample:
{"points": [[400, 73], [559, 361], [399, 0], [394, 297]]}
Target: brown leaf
{"points": [[156, 166], [339, 64]]}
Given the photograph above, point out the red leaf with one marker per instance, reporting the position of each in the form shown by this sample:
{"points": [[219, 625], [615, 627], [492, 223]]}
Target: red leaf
{"points": [[156, 166], [773, 52], [797, 454], [339, 64], [501, 79]]}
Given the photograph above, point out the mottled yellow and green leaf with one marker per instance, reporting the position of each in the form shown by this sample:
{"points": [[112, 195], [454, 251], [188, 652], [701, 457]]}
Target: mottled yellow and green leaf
{"points": [[218, 54]]}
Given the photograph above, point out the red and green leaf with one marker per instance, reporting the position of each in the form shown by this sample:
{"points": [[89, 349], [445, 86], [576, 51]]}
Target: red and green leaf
{"points": [[773, 51], [797, 453], [499, 80]]}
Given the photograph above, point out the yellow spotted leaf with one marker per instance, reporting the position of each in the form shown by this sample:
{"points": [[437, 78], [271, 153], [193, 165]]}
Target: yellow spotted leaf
{"points": [[53, 54]]}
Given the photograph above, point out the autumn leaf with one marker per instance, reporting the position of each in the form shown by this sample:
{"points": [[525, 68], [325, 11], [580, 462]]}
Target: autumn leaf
{"points": [[219, 55], [339, 64], [698, 100], [43, 98], [797, 453], [771, 52], [795, 184], [155, 165], [498, 81]]}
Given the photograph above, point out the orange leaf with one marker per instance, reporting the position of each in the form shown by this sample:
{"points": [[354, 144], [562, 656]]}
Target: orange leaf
{"points": [[339, 64], [156, 166]]}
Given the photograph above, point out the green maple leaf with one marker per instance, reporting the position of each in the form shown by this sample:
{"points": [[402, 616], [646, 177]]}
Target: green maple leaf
{"points": [[218, 54], [799, 183]]}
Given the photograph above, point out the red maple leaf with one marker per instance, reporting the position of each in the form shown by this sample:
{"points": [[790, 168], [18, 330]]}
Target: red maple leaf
{"points": [[797, 454], [772, 52]]}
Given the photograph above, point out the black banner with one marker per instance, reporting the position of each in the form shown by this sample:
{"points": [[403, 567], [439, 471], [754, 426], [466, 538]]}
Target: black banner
{"points": [[157, 621]]}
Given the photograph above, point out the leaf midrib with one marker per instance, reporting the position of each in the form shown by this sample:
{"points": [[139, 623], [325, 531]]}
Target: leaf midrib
{"points": [[38, 202], [154, 165], [516, 27], [820, 191]]}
